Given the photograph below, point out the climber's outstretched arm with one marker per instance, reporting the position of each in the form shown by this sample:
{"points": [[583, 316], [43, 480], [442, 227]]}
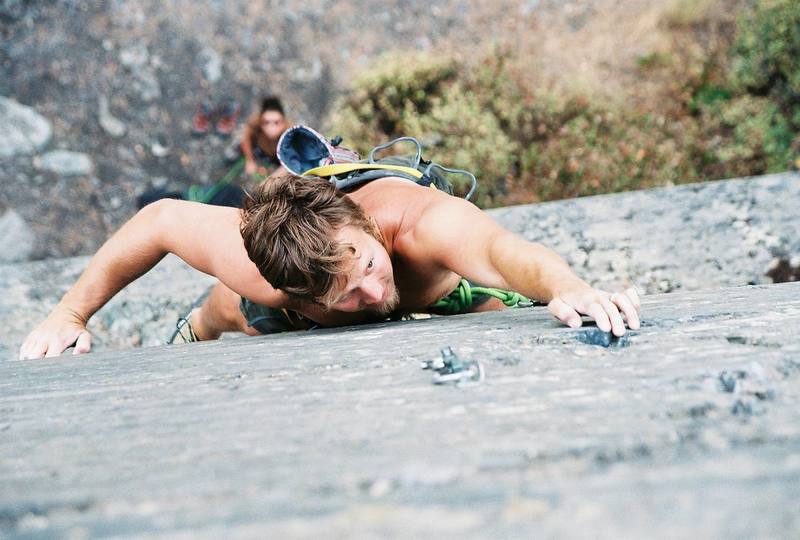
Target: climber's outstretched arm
{"points": [[207, 237], [465, 240]]}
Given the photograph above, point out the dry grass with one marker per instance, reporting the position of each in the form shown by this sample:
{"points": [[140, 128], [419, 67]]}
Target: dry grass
{"points": [[597, 48]]}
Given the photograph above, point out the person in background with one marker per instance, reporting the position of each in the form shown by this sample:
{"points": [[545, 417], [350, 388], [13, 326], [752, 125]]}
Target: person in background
{"points": [[258, 142]]}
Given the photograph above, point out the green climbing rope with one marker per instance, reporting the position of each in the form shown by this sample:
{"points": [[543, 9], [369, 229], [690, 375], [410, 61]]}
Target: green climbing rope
{"points": [[203, 195], [460, 300]]}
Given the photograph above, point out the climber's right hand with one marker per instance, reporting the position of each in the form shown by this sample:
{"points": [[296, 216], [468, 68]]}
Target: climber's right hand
{"points": [[62, 329]]}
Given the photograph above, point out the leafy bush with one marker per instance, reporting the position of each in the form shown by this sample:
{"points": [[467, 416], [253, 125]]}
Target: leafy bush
{"points": [[600, 151], [522, 145], [766, 65], [767, 52], [745, 135], [433, 100], [466, 136], [748, 116], [398, 87]]}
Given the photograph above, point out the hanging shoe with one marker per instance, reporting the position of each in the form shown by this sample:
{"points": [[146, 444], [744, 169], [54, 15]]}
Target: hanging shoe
{"points": [[201, 120], [228, 116]]}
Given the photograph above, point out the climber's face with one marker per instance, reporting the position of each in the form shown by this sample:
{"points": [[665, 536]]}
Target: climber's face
{"points": [[273, 124]]}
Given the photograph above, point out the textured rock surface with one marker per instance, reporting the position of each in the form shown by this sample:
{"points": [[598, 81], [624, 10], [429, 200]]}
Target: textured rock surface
{"points": [[17, 238], [687, 428], [142, 314], [696, 236], [708, 235], [22, 129], [65, 163]]}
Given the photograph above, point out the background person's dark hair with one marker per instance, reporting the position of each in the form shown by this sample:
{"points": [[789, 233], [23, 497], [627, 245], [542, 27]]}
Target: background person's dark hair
{"points": [[271, 103]]}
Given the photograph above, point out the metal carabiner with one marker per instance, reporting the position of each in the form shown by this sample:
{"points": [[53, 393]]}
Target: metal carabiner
{"points": [[472, 179], [451, 369], [384, 146]]}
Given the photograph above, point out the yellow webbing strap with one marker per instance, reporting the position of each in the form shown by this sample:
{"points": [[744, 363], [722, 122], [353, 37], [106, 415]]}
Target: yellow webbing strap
{"points": [[341, 168]]}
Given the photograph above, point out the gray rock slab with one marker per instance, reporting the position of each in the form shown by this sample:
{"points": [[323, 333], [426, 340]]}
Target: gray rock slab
{"points": [[65, 163], [110, 123], [211, 64], [143, 314], [690, 237], [138, 60], [686, 428], [22, 130], [16, 236]]}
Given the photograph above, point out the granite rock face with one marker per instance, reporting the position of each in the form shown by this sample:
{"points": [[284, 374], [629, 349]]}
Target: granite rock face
{"points": [[690, 237], [22, 130], [686, 428], [144, 314], [16, 236], [65, 163]]}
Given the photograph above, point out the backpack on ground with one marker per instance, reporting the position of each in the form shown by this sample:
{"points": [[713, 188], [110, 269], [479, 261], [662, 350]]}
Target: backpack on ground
{"points": [[305, 152]]}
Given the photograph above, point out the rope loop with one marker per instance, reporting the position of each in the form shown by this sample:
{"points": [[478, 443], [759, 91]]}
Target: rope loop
{"points": [[460, 300]]}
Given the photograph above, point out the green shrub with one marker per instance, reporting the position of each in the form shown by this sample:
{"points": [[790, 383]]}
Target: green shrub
{"points": [[708, 94], [766, 54], [463, 134], [399, 86], [746, 134], [753, 124], [435, 100], [522, 145], [600, 151]]}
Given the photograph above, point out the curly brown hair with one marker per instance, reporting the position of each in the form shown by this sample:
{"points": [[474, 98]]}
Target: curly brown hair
{"points": [[288, 226]]}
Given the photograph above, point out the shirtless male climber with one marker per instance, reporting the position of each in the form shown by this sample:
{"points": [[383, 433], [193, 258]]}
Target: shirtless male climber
{"points": [[305, 249]]}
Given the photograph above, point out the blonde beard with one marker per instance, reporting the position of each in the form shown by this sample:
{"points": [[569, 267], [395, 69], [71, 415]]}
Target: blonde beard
{"points": [[391, 303]]}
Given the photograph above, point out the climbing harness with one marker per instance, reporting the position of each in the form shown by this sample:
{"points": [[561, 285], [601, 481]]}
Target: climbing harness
{"points": [[460, 300], [452, 369]]}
